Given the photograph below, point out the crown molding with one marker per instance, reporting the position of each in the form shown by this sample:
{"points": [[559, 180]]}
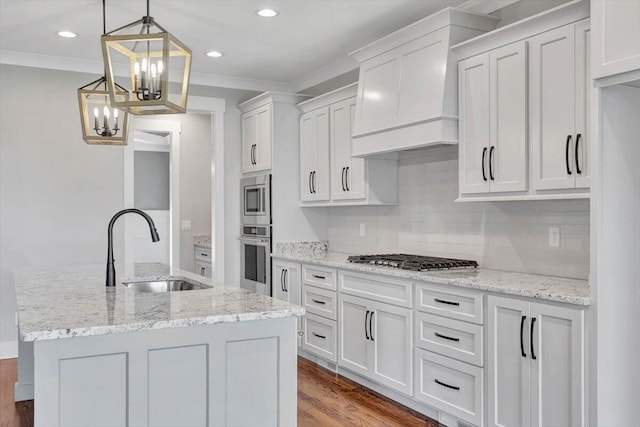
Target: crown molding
{"points": [[323, 74], [486, 6], [51, 62]]}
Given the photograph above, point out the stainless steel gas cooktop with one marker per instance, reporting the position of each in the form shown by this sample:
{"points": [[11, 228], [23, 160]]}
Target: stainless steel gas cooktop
{"points": [[412, 262]]}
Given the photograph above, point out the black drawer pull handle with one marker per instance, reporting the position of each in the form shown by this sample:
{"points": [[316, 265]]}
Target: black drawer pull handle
{"points": [[452, 387], [566, 154], [319, 336], [578, 170], [444, 337], [366, 331], [533, 353], [521, 343], [318, 277], [203, 254], [490, 165], [442, 301], [484, 153], [318, 302]]}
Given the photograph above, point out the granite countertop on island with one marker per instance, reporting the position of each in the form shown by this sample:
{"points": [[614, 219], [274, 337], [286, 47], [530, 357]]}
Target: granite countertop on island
{"points": [[73, 301], [565, 290]]}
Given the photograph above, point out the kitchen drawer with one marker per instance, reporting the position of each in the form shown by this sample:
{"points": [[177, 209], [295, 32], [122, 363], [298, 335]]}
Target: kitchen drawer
{"points": [[455, 303], [203, 254], [320, 336], [319, 276], [452, 338], [385, 289], [203, 268], [449, 385], [319, 301]]}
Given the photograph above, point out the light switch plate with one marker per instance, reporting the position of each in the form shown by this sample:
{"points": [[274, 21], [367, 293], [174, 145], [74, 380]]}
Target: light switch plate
{"points": [[185, 225], [554, 237]]}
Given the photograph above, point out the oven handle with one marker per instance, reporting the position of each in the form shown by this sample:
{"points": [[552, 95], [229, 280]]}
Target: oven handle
{"points": [[256, 241]]}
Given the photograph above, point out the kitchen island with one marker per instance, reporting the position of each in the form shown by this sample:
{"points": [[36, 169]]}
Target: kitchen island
{"points": [[91, 355]]}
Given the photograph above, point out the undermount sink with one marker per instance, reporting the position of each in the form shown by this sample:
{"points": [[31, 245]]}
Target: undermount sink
{"points": [[171, 285]]}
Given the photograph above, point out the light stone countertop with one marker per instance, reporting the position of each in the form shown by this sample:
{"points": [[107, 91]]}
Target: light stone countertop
{"points": [[203, 241], [73, 301], [570, 291]]}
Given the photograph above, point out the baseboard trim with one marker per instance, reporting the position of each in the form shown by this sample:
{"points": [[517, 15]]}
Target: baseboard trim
{"points": [[8, 350], [23, 392]]}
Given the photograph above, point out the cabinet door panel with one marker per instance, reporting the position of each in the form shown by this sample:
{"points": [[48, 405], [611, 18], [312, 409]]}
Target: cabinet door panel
{"points": [[508, 370], [391, 330], [314, 155], [347, 174], [353, 348], [473, 103], [249, 138], [377, 93], [263, 142], [557, 372], [508, 118], [278, 283], [583, 103], [552, 77]]}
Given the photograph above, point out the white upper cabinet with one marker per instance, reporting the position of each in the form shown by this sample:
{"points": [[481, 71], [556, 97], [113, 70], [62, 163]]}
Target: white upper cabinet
{"points": [[329, 175], [407, 84], [616, 35], [314, 155], [260, 127], [524, 109], [559, 108], [493, 121], [257, 139]]}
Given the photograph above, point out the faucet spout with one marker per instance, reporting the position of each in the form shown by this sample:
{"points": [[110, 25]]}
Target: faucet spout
{"points": [[111, 269]]}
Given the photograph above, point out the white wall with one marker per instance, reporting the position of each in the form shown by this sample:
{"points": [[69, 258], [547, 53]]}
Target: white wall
{"points": [[505, 235]]}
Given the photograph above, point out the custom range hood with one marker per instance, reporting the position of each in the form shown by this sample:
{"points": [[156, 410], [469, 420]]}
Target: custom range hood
{"points": [[408, 85]]}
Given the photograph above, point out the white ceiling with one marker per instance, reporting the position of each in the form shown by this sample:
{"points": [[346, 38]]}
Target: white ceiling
{"points": [[307, 36]]}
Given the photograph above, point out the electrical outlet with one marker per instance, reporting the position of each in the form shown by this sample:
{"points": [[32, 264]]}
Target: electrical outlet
{"points": [[362, 229], [185, 225], [554, 237]]}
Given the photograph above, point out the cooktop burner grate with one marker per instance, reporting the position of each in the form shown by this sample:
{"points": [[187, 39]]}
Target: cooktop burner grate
{"points": [[412, 262]]}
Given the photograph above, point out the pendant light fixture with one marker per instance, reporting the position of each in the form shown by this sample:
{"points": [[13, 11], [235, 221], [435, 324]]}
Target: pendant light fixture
{"points": [[147, 56], [102, 123]]}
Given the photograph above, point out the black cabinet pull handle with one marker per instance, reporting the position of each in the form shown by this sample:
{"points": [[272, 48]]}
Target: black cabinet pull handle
{"points": [[366, 331], [446, 385], [319, 336], [318, 277], [490, 163], [255, 154], [444, 337], [282, 280], [343, 187], [346, 179], [566, 154], [370, 325], [533, 352], [313, 181], [484, 154], [521, 342], [310, 191], [286, 278], [578, 170], [442, 301], [202, 271], [318, 301]]}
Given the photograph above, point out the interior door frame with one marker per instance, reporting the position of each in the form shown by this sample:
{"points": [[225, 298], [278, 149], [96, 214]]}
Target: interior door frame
{"points": [[215, 108]]}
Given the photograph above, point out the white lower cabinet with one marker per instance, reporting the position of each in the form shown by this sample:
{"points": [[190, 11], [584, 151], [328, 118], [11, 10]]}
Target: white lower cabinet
{"points": [[535, 364], [375, 341], [286, 286], [319, 336], [447, 384]]}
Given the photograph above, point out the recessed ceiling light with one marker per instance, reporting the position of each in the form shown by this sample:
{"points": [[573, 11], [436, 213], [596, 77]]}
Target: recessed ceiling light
{"points": [[267, 13], [214, 54], [67, 34]]}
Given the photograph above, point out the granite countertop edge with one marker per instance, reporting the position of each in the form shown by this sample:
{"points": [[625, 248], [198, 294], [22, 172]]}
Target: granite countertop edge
{"points": [[526, 283]]}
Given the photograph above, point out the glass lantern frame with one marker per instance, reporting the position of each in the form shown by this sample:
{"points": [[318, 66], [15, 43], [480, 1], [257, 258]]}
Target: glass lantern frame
{"points": [[116, 42], [88, 131]]}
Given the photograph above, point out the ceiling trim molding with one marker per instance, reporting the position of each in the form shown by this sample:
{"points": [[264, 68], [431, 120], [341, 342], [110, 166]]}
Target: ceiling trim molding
{"points": [[10, 57], [486, 6], [323, 74]]}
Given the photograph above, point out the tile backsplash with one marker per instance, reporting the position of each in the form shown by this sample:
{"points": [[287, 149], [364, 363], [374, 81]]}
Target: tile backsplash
{"points": [[511, 236]]}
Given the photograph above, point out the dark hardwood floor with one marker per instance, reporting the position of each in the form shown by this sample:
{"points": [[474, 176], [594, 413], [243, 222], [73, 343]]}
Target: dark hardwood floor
{"points": [[324, 399]]}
